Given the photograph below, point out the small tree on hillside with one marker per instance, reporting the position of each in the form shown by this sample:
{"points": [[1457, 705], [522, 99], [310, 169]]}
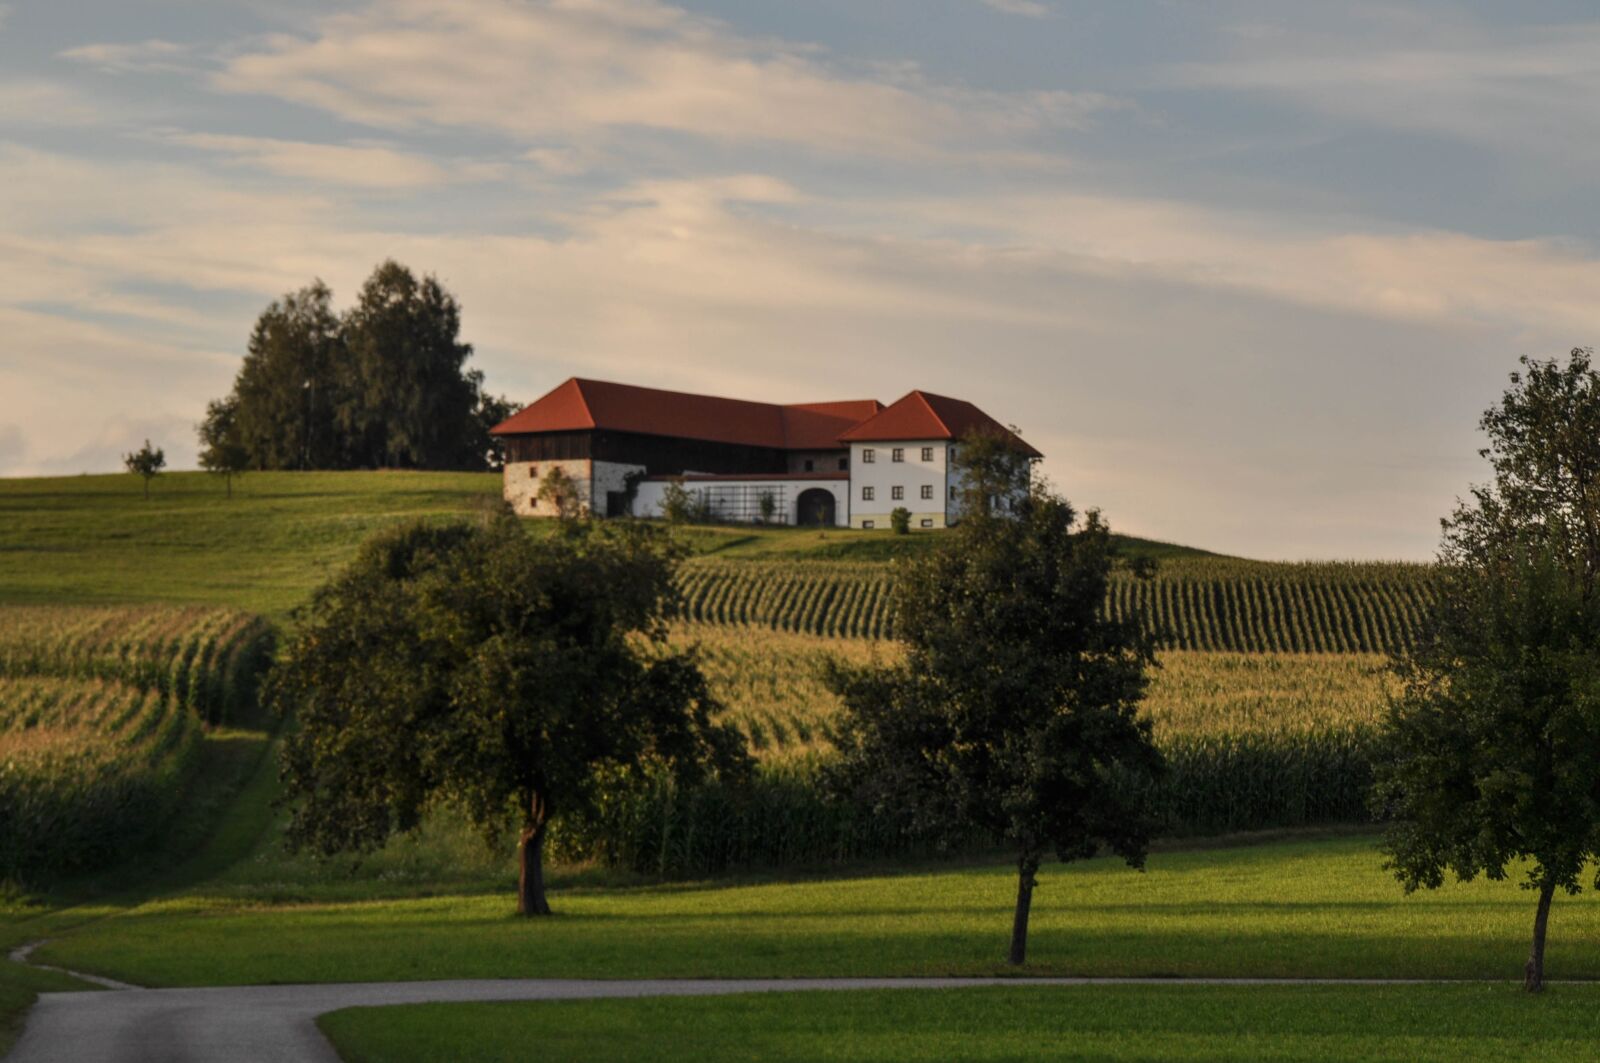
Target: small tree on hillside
{"points": [[146, 463], [1493, 748], [221, 452], [514, 677], [558, 491], [1015, 709]]}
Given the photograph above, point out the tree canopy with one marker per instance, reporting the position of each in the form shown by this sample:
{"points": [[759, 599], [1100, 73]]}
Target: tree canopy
{"points": [[1014, 712], [145, 463], [383, 385], [221, 453], [515, 678], [1493, 748]]}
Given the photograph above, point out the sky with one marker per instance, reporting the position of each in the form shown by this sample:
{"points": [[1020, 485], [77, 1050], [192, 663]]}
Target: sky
{"points": [[1246, 272]]}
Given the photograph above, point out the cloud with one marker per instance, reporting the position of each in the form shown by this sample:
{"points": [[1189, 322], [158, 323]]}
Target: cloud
{"points": [[362, 164], [29, 103], [1026, 8], [141, 57], [576, 68], [1524, 90]]}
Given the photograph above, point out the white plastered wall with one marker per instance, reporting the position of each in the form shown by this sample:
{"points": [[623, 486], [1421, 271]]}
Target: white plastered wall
{"points": [[883, 474]]}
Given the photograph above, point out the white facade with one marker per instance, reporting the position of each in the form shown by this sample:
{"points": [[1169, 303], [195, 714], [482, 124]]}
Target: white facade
{"points": [[914, 473], [919, 474], [738, 498]]}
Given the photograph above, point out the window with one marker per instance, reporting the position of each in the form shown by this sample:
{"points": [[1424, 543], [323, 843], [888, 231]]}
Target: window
{"points": [[927, 453], [867, 494], [897, 493], [897, 454], [533, 471], [810, 465], [844, 463], [867, 524], [952, 490], [927, 522], [868, 455], [952, 455], [927, 490]]}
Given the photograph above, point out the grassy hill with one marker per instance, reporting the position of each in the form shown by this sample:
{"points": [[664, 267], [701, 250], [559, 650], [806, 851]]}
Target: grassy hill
{"points": [[95, 539]]}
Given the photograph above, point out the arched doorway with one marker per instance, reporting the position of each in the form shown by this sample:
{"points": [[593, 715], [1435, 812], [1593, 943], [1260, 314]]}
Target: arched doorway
{"points": [[815, 506]]}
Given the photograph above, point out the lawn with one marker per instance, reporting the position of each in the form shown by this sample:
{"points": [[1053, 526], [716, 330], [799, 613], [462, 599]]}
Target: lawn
{"points": [[1307, 907], [990, 1025]]}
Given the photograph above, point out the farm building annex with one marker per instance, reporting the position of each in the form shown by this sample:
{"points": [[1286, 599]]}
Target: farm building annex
{"points": [[846, 464]]}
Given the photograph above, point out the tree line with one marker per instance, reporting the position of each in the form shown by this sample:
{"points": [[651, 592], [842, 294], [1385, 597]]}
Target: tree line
{"points": [[382, 385]]}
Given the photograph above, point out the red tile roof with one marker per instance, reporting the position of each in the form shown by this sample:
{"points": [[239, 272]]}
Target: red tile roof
{"points": [[579, 405], [921, 415], [747, 477]]}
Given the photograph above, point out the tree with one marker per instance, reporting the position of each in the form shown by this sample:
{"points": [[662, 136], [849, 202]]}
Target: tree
{"points": [[1014, 711], [1492, 749], [767, 505], [384, 385], [682, 506], [560, 493], [514, 677], [993, 472], [406, 400], [220, 450], [288, 385], [900, 520], [146, 462], [481, 448]]}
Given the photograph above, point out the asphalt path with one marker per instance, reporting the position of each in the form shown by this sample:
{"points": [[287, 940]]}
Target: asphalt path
{"points": [[277, 1023]]}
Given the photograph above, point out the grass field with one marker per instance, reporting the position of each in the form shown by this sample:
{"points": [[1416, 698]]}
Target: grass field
{"points": [[1398, 1024], [95, 539], [1305, 907]]}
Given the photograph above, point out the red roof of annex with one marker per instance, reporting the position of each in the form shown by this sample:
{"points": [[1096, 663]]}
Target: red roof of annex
{"points": [[581, 405]]}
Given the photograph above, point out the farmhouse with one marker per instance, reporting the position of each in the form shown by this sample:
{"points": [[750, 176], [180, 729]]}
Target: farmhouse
{"points": [[847, 464]]}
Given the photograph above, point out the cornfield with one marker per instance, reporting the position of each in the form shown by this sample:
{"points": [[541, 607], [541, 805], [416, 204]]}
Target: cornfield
{"points": [[206, 658], [1210, 604], [1252, 741], [770, 684], [87, 767], [101, 718]]}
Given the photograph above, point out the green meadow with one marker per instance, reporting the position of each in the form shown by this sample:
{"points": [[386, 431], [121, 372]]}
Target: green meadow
{"points": [[1113, 1024], [1318, 906]]}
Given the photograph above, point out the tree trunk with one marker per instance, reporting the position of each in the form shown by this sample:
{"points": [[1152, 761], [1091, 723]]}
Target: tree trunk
{"points": [[1533, 979], [1027, 866], [530, 879]]}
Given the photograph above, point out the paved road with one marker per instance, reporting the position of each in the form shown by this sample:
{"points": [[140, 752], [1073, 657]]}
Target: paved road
{"points": [[269, 1024]]}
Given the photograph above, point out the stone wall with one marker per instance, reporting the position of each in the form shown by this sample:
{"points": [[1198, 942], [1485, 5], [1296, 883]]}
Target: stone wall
{"points": [[522, 480]]}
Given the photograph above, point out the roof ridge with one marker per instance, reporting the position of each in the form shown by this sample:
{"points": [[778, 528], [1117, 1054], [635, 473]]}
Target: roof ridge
{"points": [[922, 397], [583, 400]]}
